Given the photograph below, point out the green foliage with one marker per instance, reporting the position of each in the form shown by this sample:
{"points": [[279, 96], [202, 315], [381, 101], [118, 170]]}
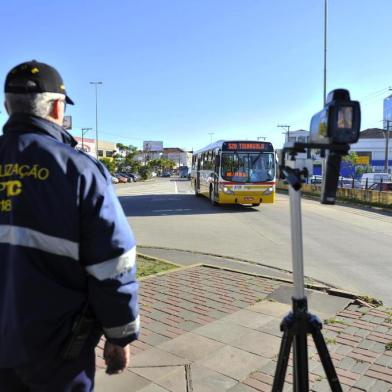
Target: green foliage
{"points": [[145, 172], [110, 164], [146, 267], [388, 346]]}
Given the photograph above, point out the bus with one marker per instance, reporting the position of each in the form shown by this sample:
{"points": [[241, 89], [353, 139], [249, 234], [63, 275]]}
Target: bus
{"points": [[235, 172], [183, 171]]}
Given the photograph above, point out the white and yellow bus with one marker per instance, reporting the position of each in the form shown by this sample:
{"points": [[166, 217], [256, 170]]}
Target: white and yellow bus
{"points": [[235, 172]]}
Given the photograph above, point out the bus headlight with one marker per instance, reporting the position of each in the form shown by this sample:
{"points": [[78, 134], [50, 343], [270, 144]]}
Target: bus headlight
{"points": [[225, 189], [268, 191]]}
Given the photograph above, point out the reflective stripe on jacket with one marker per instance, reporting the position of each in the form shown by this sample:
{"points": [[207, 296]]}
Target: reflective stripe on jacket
{"points": [[64, 239]]}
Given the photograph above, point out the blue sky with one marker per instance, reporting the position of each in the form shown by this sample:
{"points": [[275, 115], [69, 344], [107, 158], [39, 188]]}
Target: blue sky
{"points": [[177, 70]]}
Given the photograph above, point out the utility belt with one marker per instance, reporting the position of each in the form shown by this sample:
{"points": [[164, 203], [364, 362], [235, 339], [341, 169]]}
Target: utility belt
{"points": [[83, 327]]}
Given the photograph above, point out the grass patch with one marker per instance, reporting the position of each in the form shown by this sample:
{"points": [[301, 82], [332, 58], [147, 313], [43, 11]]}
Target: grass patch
{"points": [[147, 267], [388, 346], [333, 320]]}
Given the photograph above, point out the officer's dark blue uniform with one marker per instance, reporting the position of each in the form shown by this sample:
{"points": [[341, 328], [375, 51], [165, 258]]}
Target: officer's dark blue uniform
{"points": [[64, 240]]}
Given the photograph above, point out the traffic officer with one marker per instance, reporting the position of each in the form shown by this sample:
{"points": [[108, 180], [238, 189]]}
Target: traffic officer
{"points": [[67, 253]]}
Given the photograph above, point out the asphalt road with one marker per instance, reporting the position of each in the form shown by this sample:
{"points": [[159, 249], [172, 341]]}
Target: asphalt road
{"points": [[346, 247]]}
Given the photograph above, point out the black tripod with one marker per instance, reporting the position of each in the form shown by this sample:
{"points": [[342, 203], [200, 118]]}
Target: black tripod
{"points": [[298, 323]]}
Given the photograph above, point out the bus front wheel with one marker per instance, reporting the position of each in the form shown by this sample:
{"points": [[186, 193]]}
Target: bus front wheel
{"points": [[212, 197], [197, 194]]}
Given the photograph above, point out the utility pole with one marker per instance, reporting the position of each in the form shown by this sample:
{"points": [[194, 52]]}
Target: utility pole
{"points": [[96, 115], [211, 133], [287, 128], [387, 146], [325, 47], [84, 131]]}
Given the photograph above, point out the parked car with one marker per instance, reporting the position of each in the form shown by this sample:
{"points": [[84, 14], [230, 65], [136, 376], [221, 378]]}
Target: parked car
{"points": [[135, 176], [120, 178], [381, 186], [345, 182], [114, 180], [165, 174], [368, 179], [315, 179], [127, 176]]}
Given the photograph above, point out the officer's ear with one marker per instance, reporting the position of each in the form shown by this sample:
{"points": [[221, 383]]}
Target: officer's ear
{"points": [[56, 109]]}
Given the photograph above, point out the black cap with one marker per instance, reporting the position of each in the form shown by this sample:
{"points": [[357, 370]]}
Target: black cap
{"points": [[35, 77]]}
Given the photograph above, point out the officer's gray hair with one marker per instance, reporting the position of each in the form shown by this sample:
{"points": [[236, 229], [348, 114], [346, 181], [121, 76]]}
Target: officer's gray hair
{"points": [[37, 104]]}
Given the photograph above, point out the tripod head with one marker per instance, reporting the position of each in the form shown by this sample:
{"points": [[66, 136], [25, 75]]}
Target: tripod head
{"points": [[331, 132]]}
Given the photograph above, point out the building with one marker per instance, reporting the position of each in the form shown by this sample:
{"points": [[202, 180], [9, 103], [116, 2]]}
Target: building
{"points": [[371, 149], [178, 155], [106, 149]]}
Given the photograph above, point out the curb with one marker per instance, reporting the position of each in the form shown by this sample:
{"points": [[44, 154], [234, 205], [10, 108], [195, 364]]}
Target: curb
{"points": [[318, 287]]}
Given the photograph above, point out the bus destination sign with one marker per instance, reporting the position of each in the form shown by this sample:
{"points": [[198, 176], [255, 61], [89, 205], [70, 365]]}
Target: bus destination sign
{"points": [[246, 146]]}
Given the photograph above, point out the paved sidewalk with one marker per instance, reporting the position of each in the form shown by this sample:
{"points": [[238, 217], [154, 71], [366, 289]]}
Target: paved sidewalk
{"points": [[207, 329]]}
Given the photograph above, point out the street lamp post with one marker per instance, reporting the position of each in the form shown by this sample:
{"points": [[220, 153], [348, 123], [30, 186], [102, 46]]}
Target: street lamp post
{"points": [[84, 131], [211, 133], [325, 47], [96, 115], [287, 128]]}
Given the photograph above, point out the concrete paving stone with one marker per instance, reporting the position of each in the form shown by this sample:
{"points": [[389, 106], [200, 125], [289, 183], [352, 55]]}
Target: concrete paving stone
{"points": [[384, 360], [270, 308], [191, 346], [222, 331], [272, 328], [174, 382], [241, 388], [188, 325], [156, 357], [157, 372], [152, 388], [360, 367], [342, 349], [158, 315], [207, 380], [126, 381], [346, 363], [327, 304], [233, 362], [259, 343], [366, 344], [283, 294], [269, 368], [249, 319], [365, 383], [154, 339], [382, 329], [380, 386], [216, 314]]}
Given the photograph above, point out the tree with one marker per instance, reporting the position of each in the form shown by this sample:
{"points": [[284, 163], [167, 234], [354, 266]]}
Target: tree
{"points": [[358, 170], [110, 164]]}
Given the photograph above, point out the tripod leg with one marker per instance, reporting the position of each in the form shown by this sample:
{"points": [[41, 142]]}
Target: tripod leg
{"points": [[283, 360], [326, 360], [300, 361]]}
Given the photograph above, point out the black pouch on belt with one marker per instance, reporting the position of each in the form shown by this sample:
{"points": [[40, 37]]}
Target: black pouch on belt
{"points": [[83, 326]]}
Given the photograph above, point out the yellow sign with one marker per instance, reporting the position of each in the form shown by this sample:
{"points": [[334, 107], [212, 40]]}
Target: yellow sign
{"points": [[362, 160]]}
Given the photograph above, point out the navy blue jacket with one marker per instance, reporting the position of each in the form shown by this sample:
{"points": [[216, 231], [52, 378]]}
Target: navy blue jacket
{"points": [[64, 239]]}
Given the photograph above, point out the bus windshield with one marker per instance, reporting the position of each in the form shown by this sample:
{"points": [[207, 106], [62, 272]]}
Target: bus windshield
{"points": [[248, 167]]}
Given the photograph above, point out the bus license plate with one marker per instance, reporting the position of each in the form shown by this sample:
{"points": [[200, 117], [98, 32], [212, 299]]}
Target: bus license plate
{"points": [[248, 198]]}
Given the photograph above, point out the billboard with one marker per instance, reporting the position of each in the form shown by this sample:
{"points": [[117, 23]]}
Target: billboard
{"points": [[86, 144], [67, 122], [387, 111], [152, 146]]}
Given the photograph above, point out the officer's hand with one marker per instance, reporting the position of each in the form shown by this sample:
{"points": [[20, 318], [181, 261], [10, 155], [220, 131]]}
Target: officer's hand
{"points": [[117, 358]]}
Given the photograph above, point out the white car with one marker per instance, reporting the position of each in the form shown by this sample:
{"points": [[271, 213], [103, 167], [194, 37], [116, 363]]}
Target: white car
{"points": [[115, 180]]}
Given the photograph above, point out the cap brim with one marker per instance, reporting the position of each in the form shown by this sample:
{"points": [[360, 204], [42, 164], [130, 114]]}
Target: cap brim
{"points": [[69, 100]]}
